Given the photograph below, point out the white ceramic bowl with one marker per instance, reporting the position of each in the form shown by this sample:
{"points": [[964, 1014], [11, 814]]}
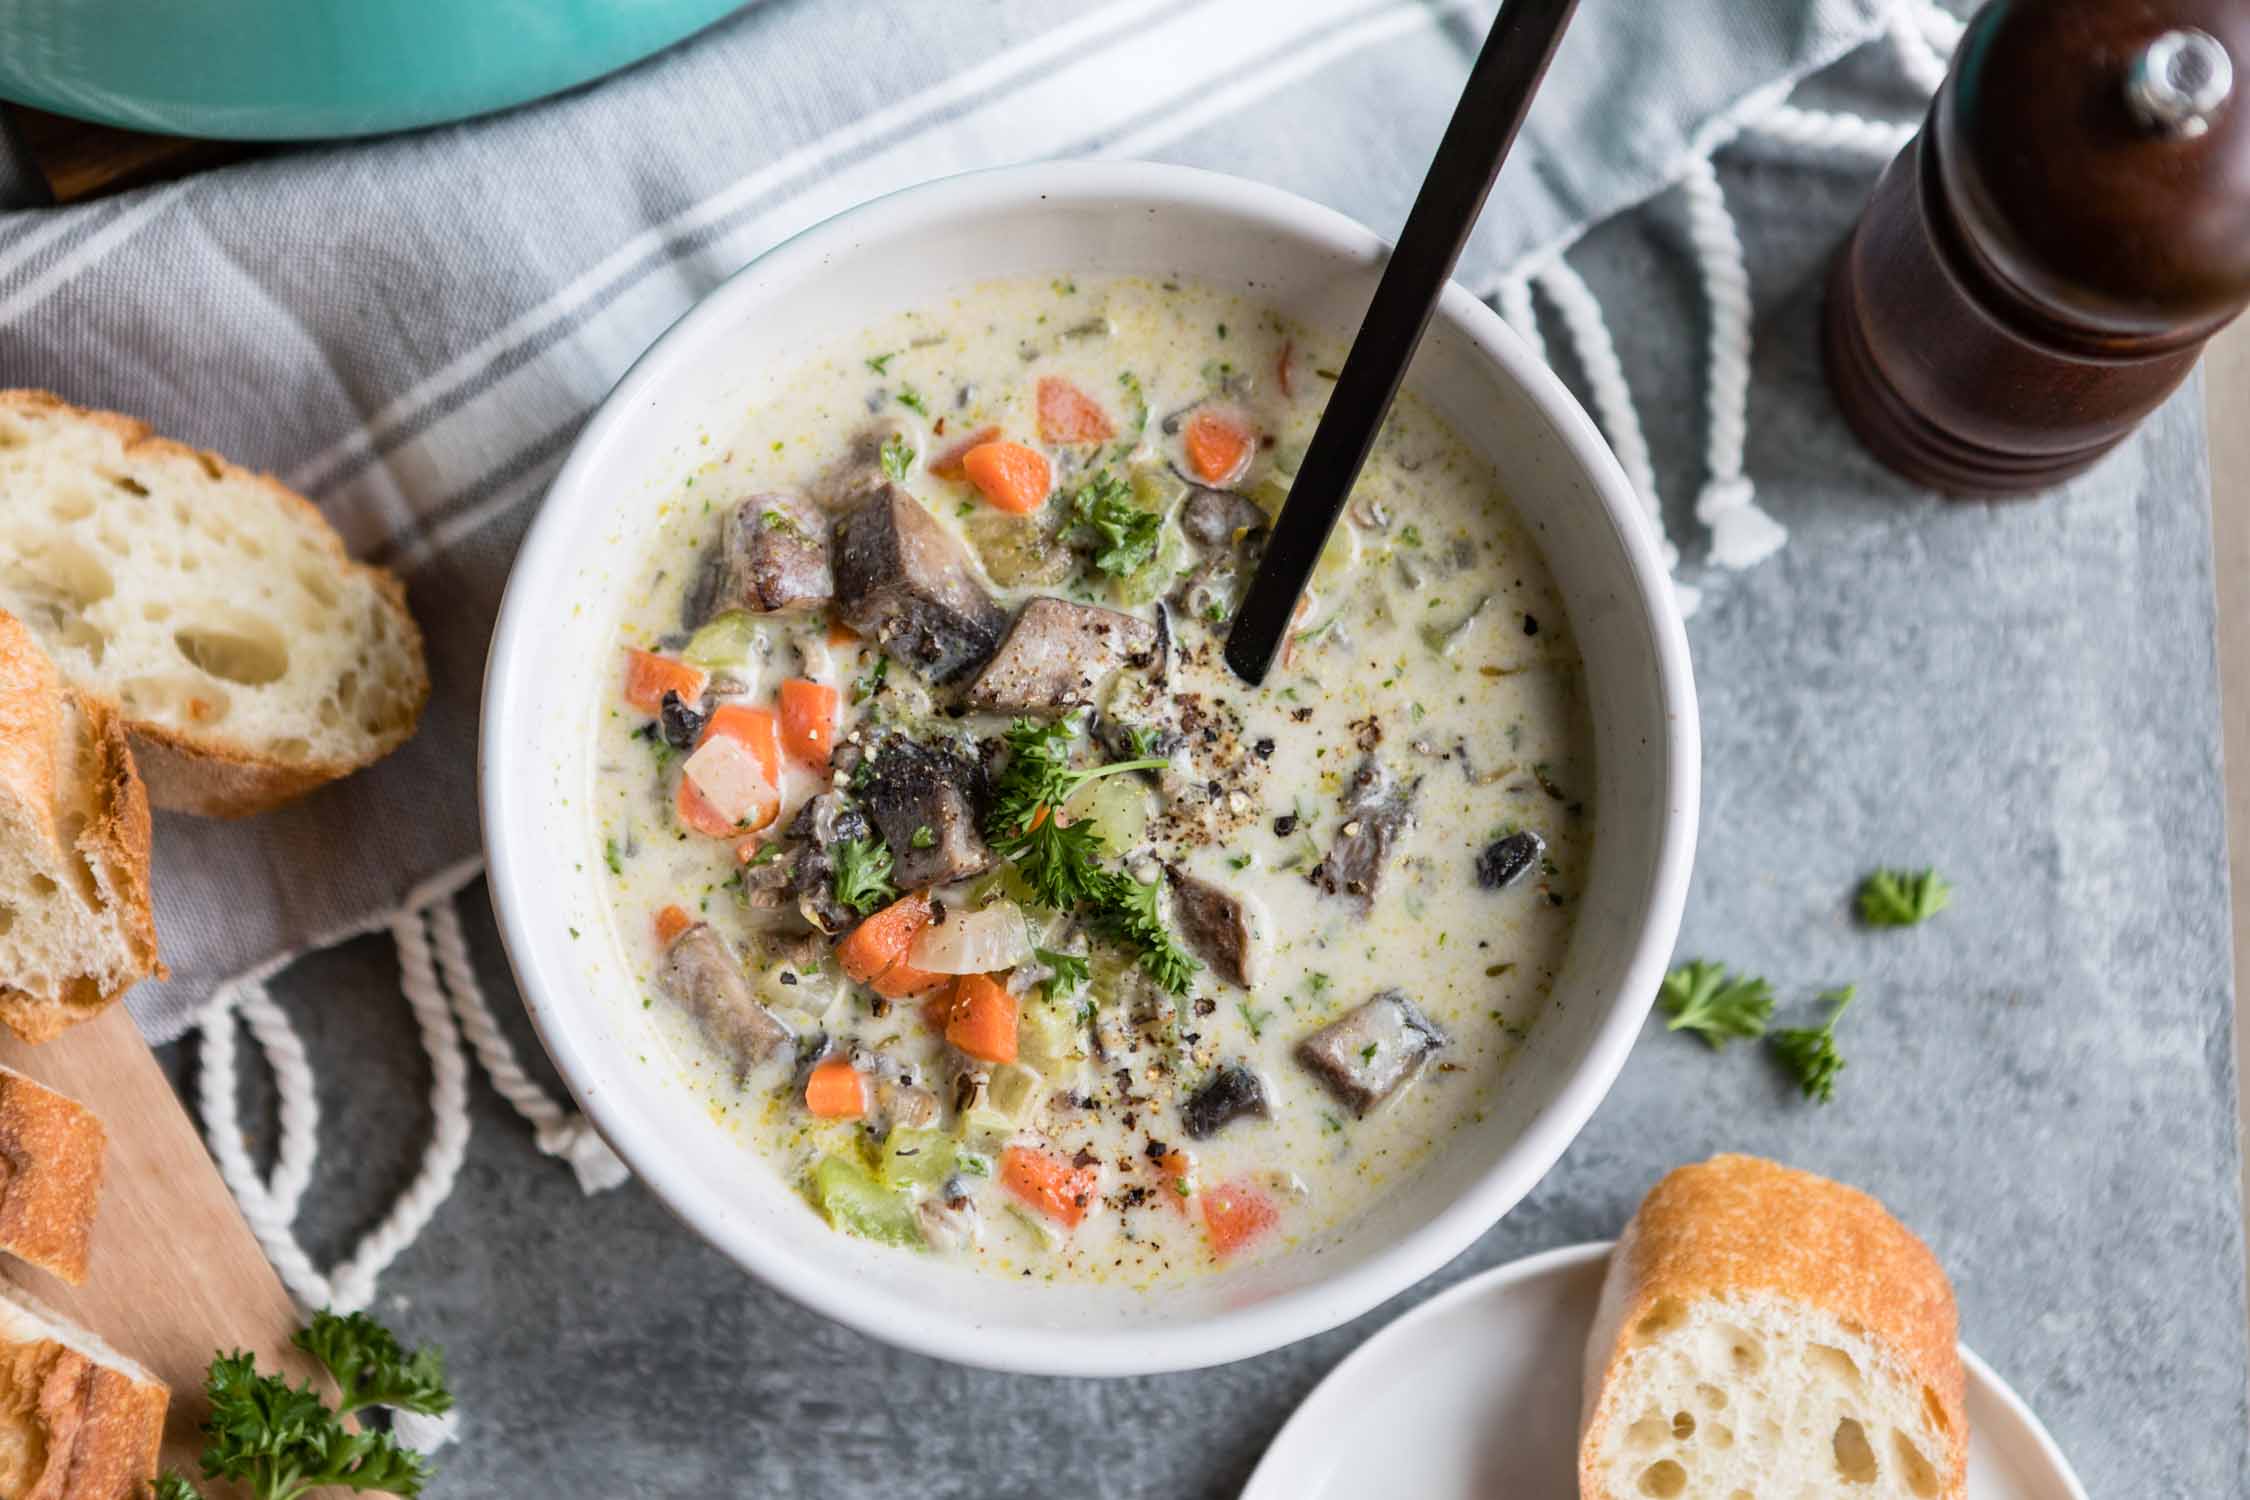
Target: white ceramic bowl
{"points": [[550, 673]]}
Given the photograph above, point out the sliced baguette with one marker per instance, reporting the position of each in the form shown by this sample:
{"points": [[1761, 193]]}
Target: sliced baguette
{"points": [[51, 1149], [75, 930], [78, 1420], [210, 607], [1765, 1334]]}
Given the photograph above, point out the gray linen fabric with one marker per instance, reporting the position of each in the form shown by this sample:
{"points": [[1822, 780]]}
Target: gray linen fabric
{"points": [[413, 329]]}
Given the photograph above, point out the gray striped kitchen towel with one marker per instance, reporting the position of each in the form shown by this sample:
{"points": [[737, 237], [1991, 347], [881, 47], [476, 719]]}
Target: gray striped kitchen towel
{"points": [[412, 330]]}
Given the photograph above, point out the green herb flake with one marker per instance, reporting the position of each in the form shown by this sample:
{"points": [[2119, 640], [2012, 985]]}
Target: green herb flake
{"points": [[1902, 898], [1703, 998], [613, 857], [911, 399], [897, 456], [881, 363], [1809, 1052], [924, 837], [863, 875]]}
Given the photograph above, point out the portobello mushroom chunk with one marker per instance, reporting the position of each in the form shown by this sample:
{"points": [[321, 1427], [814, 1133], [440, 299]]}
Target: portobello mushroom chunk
{"points": [[1229, 1094], [821, 824], [928, 802], [1220, 518], [702, 976], [1377, 809], [1216, 924], [1371, 1052], [1507, 860], [1058, 655], [859, 473], [904, 582], [772, 555]]}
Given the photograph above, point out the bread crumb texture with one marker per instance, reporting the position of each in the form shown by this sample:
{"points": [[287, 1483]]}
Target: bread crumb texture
{"points": [[51, 1151], [215, 609], [1766, 1334], [72, 1429]]}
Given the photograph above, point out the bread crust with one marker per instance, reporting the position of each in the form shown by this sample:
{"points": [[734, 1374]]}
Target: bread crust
{"points": [[115, 843], [51, 1156], [72, 1426], [216, 775], [1737, 1225]]}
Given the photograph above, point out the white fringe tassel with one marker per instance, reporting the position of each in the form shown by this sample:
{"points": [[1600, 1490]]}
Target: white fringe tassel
{"points": [[440, 984]]}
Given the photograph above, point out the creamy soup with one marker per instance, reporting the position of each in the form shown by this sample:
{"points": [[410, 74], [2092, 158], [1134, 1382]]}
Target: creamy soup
{"points": [[968, 885]]}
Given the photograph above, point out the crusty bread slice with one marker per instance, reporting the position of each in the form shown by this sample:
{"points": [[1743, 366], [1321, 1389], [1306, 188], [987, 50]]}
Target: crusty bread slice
{"points": [[210, 607], [75, 931], [78, 1420], [1765, 1334], [51, 1149]]}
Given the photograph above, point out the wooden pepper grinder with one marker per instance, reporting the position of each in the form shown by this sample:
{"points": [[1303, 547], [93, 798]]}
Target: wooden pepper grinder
{"points": [[2040, 267]]}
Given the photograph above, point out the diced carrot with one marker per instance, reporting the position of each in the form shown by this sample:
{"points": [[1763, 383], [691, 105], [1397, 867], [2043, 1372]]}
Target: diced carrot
{"points": [[947, 465], [840, 634], [1068, 415], [1048, 1183], [1010, 476], [1178, 1169], [1236, 1213], [882, 940], [835, 1091], [902, 981], [648, 677], [699, 813], [1218, 445], [982, 1019], [670, 923], [754, 728], [1281, 364], [808, 720]]}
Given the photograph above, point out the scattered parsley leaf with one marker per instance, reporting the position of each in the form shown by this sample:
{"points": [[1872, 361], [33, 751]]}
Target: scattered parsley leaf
{"points": [[768, 852], [1254, 1019], [1123, 535], [871, 680], [1071, 973], [1901, 898], [371, 1368], [1809, 1052], [613, 857], [863, 875], [881, 363], [911, 399], [924, 837], [1703, 998], [1132, 384], [898, 457], [1125, 911], [1410, 535]]}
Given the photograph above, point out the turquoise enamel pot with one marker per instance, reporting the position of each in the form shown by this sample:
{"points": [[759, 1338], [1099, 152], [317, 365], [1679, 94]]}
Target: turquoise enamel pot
{"points": [[300, 69]]}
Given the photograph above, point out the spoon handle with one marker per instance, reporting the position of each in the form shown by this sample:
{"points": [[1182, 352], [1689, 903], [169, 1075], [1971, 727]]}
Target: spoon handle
{"points": [[1492, 109]]}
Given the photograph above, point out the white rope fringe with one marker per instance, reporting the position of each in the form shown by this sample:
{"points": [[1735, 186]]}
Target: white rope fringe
{"points": [[1742, 535], [1832, 131], [558, 1132]]}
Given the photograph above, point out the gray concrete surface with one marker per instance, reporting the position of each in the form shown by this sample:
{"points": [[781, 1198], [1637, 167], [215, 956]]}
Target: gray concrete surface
{"points": [[2041, 1081]]}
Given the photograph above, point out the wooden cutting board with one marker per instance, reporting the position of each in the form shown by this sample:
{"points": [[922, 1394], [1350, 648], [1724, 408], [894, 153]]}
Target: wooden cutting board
{"points": [[176, 1273]]}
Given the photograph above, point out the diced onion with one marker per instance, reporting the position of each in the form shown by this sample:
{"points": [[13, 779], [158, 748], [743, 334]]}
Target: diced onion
{"points": [[973, 942], [730, 777]]}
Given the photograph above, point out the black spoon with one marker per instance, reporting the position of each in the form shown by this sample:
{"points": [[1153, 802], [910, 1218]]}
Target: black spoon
{"points": [[1484, 126]]}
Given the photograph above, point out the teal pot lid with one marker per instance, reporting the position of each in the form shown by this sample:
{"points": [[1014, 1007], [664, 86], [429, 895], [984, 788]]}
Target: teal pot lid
{"points": [[258, 70]]}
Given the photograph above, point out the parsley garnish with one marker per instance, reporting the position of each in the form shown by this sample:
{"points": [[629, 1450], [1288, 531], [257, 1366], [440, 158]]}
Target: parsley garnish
{"points": [[612, 857], [911, 399], [1071, 973], [863, 875], [281, 1440], [1705, 999], [1367, 1053], [1410, 535], [870, 680], [1254, 1019], [1132, 384], [1124, 535], [1901, 898], [1809, 1052], [881, 363], [923, 837], [898, 455], [768, 851]]}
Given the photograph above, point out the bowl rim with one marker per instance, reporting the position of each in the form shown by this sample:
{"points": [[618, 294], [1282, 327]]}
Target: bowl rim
{"points": [[1239, 1332]]}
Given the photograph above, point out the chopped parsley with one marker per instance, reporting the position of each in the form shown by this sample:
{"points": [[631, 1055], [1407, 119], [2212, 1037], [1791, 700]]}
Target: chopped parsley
{"points": [[1901, 898], [1254, 1019], [863, 875], [1123, 535], [1809, 1052], [871, 680], [1071, 973], [1703, 998], [911, 399], [613, 857], [881, 363], [898, 457], [924, 837]]}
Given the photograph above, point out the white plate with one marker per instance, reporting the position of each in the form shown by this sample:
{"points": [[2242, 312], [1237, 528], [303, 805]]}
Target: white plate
{"points": [[1475, 1394]]}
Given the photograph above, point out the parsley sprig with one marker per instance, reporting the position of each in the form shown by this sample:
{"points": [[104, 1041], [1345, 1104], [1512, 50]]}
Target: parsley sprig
{"points": [[282, 1440], [863, 875], [1719, 1007], [897, 457], [1901, 898], [1062, 862], [1105, 518], [1809, 1052]]}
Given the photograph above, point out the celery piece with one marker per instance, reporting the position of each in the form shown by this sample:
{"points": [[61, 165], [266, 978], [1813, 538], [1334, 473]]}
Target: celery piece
{"points": [[850, 1198], [918, 1158], [1157, 489], [724, 641], [1152, 579], [1047, 1035], [1010, 1098]]}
